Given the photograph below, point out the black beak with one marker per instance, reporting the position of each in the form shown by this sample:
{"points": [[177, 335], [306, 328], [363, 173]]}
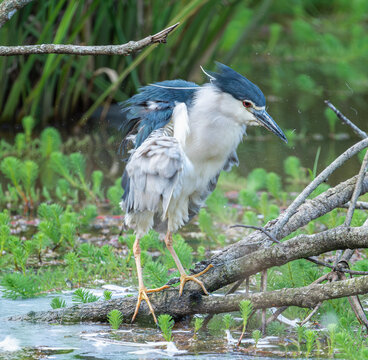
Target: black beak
{"points": [[266, 121]]}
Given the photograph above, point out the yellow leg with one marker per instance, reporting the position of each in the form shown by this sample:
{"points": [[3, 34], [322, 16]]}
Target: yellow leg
{"points": [[142, 294], [183, 276]]}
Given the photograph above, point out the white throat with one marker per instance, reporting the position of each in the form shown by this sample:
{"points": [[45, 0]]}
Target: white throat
{"points": [[217, 123]]}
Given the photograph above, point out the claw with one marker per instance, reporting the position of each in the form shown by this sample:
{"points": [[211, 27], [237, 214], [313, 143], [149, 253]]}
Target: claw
{"points": [[184, 278], [142, 295]]}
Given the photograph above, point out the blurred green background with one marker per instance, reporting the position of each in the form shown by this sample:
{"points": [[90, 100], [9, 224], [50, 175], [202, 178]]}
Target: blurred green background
{"points": [[299, 53]]}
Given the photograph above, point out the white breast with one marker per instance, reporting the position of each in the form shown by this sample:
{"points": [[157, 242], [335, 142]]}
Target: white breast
{"points": [[215, 130]]}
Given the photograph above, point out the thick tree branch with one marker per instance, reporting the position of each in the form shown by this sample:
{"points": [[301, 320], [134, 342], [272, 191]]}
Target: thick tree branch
{"points": [[124, 49], [9, 7], [310, 210]]}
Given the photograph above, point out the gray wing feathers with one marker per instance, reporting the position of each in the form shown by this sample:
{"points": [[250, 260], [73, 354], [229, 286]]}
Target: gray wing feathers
{"points": [[154, 170]]}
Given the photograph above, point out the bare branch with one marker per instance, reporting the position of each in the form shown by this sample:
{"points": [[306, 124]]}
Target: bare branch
{"points": [[124, 49], [317, 181], [360, 205], [169, 302], [349, 216], [311, 314], [346, 121], [9, 7], [357, 190]]}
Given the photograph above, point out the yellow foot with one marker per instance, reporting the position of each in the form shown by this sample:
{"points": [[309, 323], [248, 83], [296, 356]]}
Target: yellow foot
{"points": [[184, 278], [142, 295]]}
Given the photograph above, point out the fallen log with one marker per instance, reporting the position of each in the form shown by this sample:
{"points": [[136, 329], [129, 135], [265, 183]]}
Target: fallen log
{"points": [[192, 301]]}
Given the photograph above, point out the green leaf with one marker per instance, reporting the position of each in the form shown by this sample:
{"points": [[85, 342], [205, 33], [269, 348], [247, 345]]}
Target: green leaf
{"points": [[11, 168], [115, 318], [29, 175], [84, 296], [155, 273], [50, 141], [57, 303], [256, 180], [166, 324], [274, 184]]}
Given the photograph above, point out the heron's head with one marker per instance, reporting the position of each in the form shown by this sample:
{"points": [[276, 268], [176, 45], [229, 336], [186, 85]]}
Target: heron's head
{"points": [[246, 100]]}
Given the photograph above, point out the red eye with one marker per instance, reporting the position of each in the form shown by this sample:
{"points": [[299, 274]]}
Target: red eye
{"points": [[247, 104]]}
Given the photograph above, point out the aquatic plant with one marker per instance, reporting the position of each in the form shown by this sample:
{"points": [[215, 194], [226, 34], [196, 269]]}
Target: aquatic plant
{"points": [[300, 330], [114, 194], [107, 295], [198, 323], [256, 335], [83, 296], [256, 180], [115, 318], [274, 186], [19, 285], [292, 167], [57, 303], [310, 339], [245, 311], [166, 324], [331, 339], [249, 198], [228, 321]]}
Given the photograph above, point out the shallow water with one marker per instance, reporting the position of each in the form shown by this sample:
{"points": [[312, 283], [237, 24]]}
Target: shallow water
{"points": [[25, 340]]}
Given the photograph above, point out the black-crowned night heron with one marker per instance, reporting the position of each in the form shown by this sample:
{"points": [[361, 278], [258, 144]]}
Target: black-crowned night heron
{"points": [[184, 135]]}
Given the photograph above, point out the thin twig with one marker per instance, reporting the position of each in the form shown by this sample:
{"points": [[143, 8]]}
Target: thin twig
{"points": [[346, 121], [266, 232], [357, 190], [311, 314], [356, 305], [349, 216], [276, 314], [360, 205], [124, 49]]}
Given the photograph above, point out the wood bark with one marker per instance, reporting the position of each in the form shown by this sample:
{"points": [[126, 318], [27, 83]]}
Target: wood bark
{"points": [[191, 302], [9, 7], [124, 49]]}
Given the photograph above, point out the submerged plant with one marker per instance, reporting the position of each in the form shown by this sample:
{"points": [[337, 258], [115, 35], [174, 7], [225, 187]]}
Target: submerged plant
{"points": [[166, 324], [115, 318]]}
